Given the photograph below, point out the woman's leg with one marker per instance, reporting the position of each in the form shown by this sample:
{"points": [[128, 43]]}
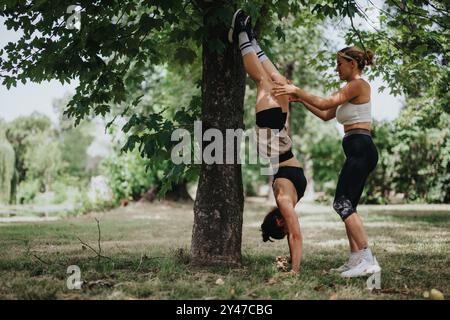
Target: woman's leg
{"points": [[361, 160], [268, 66], [254, 68], [361, 169], [352, 243], [286, 198], [263, 82], [353, 223], [261, 70], [273, 73], [358, 236], [352, 177]]}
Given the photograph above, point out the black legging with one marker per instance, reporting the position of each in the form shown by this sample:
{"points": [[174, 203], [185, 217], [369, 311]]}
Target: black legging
{"points": [[361, 159]]}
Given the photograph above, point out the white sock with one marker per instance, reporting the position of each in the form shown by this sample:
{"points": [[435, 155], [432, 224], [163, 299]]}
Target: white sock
{"points": [[353, 256], [244, 44], [261, 55]]}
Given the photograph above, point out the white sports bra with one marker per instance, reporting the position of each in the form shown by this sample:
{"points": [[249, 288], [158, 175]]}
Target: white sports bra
{"points": [[350, 113]]}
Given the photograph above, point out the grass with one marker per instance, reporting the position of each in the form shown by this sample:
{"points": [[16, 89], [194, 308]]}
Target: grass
{"points": [[149, 250]]}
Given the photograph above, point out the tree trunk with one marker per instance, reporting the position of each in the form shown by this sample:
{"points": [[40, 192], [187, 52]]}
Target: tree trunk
{"points": [[7, 161], [219, 203], [178, 193]]}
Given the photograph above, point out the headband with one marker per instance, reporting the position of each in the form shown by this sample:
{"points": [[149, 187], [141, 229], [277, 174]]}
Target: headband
{"points": [[345, 56]]}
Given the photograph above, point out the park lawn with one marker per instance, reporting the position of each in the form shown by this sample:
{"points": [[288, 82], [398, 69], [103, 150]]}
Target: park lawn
{"points": [[146, 256]]}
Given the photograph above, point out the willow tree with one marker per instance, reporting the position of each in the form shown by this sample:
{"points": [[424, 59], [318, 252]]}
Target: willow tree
{"points": [[7, 167]]}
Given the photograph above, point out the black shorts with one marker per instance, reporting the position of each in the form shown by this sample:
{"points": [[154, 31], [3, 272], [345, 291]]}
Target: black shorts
{"points": [[296, 176]]}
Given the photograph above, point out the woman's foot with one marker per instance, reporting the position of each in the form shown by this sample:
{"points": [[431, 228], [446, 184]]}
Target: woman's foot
{"points": [[238, 25], [363, 268], [352, 261]]}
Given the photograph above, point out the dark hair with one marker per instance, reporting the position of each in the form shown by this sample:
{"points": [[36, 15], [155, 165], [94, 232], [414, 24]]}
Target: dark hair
{"points": [[269, 227], [362, 58]]}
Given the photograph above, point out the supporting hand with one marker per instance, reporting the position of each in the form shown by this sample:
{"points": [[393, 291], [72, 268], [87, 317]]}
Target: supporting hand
{"points": [[284, 89], [294, 99]]}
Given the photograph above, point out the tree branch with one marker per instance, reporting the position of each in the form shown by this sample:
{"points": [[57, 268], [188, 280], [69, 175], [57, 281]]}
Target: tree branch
{"points": [[41, 260], [354, 29], [98, 253], [445, 12], [99, 237], [409, 12]]}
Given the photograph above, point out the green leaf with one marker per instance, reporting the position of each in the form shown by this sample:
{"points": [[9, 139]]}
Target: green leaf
{"points": [[280, 33], [131, 142], [137, 100]]}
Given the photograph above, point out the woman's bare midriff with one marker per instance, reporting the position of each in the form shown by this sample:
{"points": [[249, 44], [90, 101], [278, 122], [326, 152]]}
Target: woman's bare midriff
{"points": [[359, 125]]}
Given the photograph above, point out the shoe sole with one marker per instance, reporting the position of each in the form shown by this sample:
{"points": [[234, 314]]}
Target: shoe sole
{"points": [[230, 32], [338, 271]]}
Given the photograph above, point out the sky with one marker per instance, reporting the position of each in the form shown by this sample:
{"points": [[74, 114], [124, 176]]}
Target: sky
{"points": [[27, 98]]}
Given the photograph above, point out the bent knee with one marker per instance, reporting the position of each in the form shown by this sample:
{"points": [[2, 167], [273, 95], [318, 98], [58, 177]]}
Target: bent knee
{"points": [[343, 207]]}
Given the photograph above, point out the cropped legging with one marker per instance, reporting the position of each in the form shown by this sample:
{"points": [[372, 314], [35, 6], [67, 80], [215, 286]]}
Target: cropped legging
{"points": [[361, 159]]}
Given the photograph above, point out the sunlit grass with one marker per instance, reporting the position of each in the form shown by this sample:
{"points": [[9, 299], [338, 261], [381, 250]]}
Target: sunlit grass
{"points": [[147, 250]]}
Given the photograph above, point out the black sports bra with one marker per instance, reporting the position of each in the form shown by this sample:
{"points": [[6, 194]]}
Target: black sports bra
{"points": [[273, 118]]}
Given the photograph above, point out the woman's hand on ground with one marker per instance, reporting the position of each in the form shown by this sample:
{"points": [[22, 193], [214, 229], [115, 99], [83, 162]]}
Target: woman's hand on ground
{"points": [[289, 274]]}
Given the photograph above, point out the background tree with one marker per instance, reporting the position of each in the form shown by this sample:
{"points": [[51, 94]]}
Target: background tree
{"points": [[20, 132], [414, 155], [43, 160], [7, 169], [73, 141]]}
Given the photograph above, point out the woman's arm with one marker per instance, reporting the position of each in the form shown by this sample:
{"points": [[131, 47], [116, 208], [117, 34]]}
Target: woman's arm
{"points": [[347, 93], [325, 115], [294, 238]]}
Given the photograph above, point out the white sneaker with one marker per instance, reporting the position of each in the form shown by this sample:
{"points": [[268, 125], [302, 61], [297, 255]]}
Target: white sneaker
{"points": [[352, 261], [375, 261], [363, 268]]}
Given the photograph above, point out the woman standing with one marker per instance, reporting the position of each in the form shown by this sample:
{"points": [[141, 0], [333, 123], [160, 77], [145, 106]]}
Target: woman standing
{"points": [[351, 106]]}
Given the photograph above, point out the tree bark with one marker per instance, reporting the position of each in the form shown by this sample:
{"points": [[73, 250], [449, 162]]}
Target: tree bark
{"points": [[219, 203]]}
